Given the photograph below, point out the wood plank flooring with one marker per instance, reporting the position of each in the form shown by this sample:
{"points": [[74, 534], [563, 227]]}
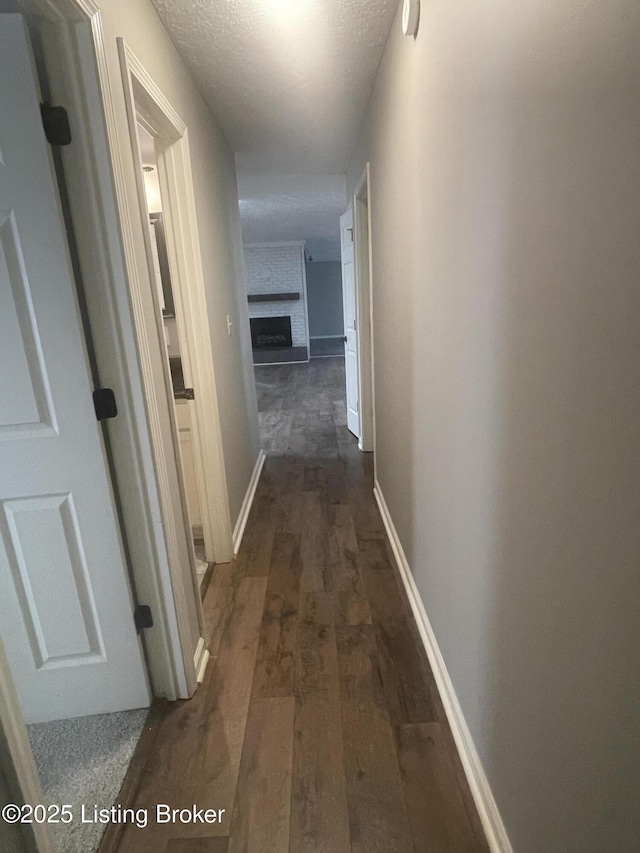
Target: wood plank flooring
{"points": [[318, 728]]}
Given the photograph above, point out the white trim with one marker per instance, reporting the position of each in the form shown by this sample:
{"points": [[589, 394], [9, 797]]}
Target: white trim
{"points": [[362, 259], [201, 659], [303, 272], [180, 216], [325, 337], [487, 809], [247, 503]]}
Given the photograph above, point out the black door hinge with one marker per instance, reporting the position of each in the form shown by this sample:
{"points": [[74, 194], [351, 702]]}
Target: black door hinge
{"points": [[55, 121], [104, 402], [142, 617]]}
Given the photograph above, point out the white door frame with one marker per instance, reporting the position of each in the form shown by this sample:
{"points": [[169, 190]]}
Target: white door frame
{"points": [[146, 101], [364, 308], [305, 296]]}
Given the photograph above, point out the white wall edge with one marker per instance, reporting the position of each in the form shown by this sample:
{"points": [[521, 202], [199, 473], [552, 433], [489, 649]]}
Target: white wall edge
{"points": [[201, 659], [485, 803], [303, 272], [247, 503]]}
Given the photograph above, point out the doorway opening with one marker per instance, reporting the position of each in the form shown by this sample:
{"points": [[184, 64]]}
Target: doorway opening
{"points": [[325, 298], [193, 475], [363, 282]]}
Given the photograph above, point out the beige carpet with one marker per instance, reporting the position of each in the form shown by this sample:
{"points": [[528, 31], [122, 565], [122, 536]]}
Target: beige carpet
{"points": [[84, 761]]}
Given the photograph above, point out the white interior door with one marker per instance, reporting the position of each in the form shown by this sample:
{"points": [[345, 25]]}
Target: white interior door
{"points": [[350, 322], [65, 606]]}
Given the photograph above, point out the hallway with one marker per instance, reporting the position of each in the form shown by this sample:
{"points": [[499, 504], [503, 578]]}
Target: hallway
{"points": [[318, 727]]}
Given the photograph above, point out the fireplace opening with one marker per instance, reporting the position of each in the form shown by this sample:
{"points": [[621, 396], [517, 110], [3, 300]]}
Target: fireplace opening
{"points": [[271, 332]]}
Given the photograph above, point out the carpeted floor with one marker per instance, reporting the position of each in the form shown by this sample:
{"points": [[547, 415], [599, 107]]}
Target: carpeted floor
{"points": [[84, 760]]}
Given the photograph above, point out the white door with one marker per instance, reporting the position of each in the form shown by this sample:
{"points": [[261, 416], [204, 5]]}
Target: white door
{"points": [[350, 322], [65, 607]]}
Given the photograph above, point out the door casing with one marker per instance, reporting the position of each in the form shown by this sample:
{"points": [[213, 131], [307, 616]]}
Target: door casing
{"points": [[147, 104], [360, 212], [362, 252]]}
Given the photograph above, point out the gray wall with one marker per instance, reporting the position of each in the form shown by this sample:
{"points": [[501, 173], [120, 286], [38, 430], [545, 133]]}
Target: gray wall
{"points": [[323, 249], [505, 158], [324, 296]]}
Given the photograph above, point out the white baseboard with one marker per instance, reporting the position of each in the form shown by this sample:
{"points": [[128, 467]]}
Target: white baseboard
{"points": [[201, 659], [241, 523], [487, 809]]}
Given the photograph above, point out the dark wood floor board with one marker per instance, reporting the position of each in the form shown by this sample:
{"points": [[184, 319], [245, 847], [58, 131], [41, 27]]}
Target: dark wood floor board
{"points": [[287, 481], [314, 542], [327, 476], [366, 517], [275, 429], [288, 514], [347, 583], [437, 812], [255, 550], [297, 444], [405, 672], [375, 555], [319, 813], [198, 845], [275, 662], [377, 809], [261, 816], [217, 606]]}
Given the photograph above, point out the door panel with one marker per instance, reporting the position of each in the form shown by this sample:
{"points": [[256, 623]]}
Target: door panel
{"points": [[65, 606], [24, 368], [350, 323], [51, 576]]}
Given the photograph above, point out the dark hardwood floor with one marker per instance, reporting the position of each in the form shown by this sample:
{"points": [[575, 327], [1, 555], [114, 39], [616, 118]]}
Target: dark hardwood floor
{"points": [[318, 728]]}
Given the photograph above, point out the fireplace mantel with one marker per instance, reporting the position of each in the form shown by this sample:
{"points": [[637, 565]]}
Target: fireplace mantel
{"points": [[273, 297]]}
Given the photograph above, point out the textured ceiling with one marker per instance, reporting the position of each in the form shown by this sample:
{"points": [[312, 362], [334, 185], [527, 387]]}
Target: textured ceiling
{"points": [[288, 80], [294, 207]]}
